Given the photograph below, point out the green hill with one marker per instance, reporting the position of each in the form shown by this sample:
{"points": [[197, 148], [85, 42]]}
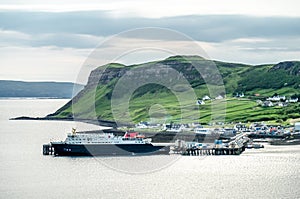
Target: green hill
{"points": [[153, 100]]}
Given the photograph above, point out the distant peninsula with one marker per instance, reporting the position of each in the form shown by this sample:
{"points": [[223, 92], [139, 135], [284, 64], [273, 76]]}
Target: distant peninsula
{"points": [[20, 89]]}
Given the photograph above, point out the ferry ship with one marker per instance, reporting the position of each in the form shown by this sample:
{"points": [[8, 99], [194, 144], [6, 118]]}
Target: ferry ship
{"points": [[106, 144]]}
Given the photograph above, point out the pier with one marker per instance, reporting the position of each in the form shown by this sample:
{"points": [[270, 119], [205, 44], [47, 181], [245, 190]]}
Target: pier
{"points": [[235, 146], [213, 151]]}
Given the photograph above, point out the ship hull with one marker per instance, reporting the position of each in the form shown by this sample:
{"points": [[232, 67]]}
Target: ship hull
{"points": [[63, 149]]}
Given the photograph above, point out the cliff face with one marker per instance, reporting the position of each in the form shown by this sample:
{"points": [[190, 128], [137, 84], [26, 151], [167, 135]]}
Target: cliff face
{"points": [[161, 69], [100, 76]]}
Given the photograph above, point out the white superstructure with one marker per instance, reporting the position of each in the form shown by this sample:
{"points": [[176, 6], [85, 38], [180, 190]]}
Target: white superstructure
{"points": [[105, 138]]}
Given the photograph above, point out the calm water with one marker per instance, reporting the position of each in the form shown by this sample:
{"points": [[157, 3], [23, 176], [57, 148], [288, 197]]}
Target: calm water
{"points": [[272, 172]]}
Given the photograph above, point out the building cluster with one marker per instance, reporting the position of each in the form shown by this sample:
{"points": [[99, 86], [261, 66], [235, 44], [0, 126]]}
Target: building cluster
{"points": [[280, 101], [206, 98], [197, 128], [277, 100]]}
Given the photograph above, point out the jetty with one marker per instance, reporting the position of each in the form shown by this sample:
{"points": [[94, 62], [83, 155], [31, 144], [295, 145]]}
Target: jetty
{"points": [[234, 146]]}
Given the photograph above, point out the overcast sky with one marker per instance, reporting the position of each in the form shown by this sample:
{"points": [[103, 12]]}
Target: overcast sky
{"points": [[51, 41]]}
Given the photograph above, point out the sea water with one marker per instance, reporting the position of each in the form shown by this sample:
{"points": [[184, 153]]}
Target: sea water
{"points": [[272, 172]]}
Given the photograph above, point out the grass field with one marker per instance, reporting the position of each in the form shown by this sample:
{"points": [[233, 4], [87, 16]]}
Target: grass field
{"points": [[156, 103], [164, 107]]}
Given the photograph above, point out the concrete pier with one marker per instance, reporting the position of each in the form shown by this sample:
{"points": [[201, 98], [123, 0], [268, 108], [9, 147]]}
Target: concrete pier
{"points": [[235, 146]]}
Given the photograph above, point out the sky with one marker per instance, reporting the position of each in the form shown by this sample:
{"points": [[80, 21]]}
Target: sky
{"points": [[53, 41]]}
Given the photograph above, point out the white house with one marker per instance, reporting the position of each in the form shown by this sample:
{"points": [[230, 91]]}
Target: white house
{"points": [[258, 127], [276, 98], [259, 102], [240, 95], [142, 125], [200, 102], [219, 97], [240, 127], [282, 104], [268, 103], [293, 100], [205, 98]]}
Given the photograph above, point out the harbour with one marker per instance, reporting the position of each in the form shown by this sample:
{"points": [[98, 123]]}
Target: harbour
{"points": [[27, 173], [136, 144], [150, 99]]}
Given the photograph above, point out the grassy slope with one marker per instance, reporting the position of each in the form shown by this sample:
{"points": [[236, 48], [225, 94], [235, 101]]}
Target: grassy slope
{"points": [[236, 77]]}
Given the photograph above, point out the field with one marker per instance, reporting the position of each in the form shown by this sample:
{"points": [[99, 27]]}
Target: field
{"points": [[177, 103], [162, 107]]}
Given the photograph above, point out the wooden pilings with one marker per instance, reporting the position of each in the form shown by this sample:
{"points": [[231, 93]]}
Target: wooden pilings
{"points": [[213, 151]]}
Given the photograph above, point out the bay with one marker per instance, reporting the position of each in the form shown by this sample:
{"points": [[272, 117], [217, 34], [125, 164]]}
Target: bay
{"points": [[272, 172]]}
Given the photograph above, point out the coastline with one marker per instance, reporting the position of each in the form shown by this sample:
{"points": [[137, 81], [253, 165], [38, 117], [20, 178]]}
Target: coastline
{"points": [[161, 136], [89, 121]]}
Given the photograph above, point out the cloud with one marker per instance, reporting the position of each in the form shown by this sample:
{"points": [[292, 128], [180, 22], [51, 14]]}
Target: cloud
{"points": [[210, 28], [8, 38], [51, 44], [261, 44], [61, 40], [158, 8], [43, 63], [66, 40]]}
